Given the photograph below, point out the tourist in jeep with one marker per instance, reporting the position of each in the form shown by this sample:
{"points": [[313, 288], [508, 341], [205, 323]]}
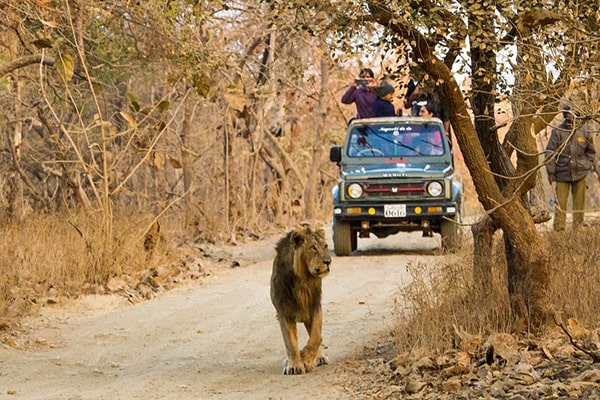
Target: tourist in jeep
{"points": [[384, 106], [362, 93]]}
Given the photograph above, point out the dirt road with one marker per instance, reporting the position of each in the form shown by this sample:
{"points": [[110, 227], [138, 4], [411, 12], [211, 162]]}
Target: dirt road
{"points": [[214, 340]]}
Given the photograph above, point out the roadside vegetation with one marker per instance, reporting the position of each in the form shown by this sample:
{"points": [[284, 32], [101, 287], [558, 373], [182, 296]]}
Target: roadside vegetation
{"points": [[456, 340], [50, 257], [128, 129], [445, 295]]}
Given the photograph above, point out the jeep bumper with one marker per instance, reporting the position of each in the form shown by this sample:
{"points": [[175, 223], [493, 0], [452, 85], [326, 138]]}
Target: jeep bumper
{"points": [[391, 212]]}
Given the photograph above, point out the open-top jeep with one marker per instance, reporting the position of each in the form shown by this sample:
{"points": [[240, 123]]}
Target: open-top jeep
{"points": [[396, 175]]}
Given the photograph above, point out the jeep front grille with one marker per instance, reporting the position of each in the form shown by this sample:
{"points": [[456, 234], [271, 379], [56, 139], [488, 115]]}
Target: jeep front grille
{"points": [[394, 189]]}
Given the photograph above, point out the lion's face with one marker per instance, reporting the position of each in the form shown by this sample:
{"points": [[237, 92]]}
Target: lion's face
{"points": [[311, 248]]}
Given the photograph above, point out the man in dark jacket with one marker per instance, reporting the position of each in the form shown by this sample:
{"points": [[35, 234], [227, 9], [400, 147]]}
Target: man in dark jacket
{"points": [[570, 156], [384, 106]]}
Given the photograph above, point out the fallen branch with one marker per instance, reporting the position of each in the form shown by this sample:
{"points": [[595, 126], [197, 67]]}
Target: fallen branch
{"points": [[595, 355]]}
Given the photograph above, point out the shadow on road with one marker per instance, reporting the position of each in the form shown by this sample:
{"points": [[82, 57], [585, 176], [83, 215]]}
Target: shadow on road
{"points": [[401, 244], [380, 251]]}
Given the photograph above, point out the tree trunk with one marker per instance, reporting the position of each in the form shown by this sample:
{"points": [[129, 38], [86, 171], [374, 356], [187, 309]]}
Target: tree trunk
{"points": [[531, 257], [483, 260], [226, 178], [16, 187], [310, 190], [483, 65], [186, 158]]}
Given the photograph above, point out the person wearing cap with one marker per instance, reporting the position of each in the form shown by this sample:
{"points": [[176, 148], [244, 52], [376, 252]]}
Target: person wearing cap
{"points": [[384, 106], [362, 93], [570, 156]]}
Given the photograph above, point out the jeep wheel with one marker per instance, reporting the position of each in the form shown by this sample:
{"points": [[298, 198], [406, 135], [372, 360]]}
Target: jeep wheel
{"points": [[449, 231], [342, 238]]}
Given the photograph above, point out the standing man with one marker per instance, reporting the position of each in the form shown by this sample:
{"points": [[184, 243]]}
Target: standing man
{"points": [[362, 93], [410, 98], [570, 156]]}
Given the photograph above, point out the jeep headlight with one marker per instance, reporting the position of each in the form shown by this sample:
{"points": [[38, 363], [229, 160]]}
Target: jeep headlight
{"points": [[354, 190], [435, 189]]}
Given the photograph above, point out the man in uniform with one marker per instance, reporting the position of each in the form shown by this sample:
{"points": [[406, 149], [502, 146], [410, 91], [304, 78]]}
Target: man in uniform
{"points": [[570, 156]]}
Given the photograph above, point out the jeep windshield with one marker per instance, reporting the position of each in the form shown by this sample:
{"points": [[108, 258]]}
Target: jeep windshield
{"points": [[395, 138]]}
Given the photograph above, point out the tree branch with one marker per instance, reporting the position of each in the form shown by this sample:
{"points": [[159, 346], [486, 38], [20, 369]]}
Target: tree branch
{"points": [[8, 67], [595, 355]]}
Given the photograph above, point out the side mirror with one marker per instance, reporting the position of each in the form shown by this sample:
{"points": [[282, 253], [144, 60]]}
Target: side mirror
{"points": [[335, 154]]}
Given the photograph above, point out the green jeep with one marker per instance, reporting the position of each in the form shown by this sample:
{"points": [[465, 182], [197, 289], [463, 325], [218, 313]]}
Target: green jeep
{"points": [[396, 175]]}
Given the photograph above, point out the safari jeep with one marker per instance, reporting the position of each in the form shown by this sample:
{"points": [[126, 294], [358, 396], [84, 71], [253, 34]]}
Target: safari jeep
{"points": [[396, 175]]}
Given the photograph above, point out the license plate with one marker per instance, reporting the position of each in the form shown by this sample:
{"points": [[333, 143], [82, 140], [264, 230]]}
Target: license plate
{"points": [[394, 210]]}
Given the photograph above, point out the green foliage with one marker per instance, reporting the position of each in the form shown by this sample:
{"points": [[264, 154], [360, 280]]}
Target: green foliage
{"points": [[133, 101], [201, 82], [65, 67], [42, 43], [163, 106], [5, 83]]}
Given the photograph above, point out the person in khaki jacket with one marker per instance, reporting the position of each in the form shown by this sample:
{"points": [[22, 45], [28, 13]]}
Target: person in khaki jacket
{"points": [[570, 156]]}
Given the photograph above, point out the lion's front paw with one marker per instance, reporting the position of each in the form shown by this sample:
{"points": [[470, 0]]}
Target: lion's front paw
{"points": [[309, 366], [322, 361], [311, 360], [296, 368]]}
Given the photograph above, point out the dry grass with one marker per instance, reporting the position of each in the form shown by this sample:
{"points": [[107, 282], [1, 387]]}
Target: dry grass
{"points": [[68, 255], [442, 295], [576, 273], [454, 341]]}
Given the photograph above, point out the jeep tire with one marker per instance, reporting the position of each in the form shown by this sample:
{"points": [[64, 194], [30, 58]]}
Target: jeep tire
{"points": [[344, 240], [449, 230]]}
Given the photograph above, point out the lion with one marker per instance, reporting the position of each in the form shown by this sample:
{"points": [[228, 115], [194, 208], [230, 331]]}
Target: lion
{"points": [[301, 262]]}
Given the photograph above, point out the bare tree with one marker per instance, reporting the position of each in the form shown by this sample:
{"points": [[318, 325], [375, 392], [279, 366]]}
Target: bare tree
{"points": [[314, 173], [436, 34]]}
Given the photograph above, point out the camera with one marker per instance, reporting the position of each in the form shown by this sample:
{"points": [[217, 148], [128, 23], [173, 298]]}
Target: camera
{"points": [[361, 81]]}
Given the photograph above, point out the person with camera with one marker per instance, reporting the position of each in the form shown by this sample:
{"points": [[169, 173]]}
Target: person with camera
{"points": [[362, 93]]}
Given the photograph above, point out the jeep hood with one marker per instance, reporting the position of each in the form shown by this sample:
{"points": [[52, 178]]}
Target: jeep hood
{"points": [[396, 169]]}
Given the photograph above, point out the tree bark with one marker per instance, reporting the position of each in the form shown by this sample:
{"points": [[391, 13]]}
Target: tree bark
{"points": [[186, 158], [8, 67], [483, 257], [226, 178], [531, 256], [310, 190]]}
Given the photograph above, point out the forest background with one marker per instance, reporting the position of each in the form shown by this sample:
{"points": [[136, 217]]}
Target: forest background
{"points": [[128, 126]]}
